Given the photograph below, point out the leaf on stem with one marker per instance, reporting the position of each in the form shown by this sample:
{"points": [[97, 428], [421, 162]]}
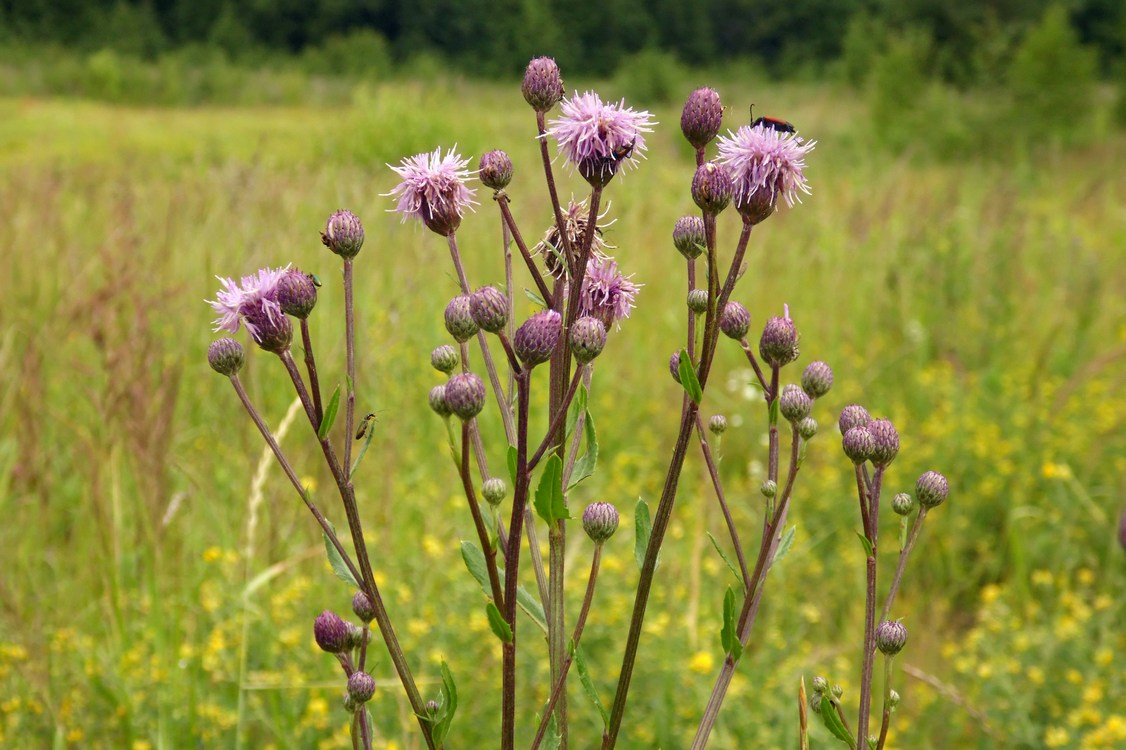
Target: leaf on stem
{"points": [[330, 414], [501, 629], [833, 721], [784, 545], [512, 455], [368, 434], [774, 411], [588, 685], [730, 565], [728, 635], [474, 560], [578, 406], [337, 562], [535, 298], [549, 502], [688, 379], [587, 462], [642, 527], [902, 533], [866, 543], [447, 707]]}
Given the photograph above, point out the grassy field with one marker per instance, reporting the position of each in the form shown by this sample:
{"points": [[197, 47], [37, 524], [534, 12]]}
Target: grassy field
{"points": [[155, 568]]}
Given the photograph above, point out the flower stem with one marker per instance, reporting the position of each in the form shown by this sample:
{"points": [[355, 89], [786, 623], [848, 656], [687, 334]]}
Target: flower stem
{"points": [[713, 472], [916, 528], [869, 612], [533, 269], [350, 346], [886, 721], [478, 520], [545, 157], [311, 368], [557, 419]]}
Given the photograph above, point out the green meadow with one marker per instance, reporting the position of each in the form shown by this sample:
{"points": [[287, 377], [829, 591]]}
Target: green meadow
{"points": [[160, 577]]}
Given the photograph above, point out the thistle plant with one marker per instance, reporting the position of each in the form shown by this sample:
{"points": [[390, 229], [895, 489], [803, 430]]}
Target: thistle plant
{"points": [[540, 371]]}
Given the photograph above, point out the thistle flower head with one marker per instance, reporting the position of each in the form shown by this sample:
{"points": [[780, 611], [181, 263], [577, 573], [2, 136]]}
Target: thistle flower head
{"points": [[600, 521], [766, 164], [853, 415], [535, 340], [588, 338], [717, 424], [331, 632], [701, 117], [495, 170], [445, 359], [459, 318], [779, 342], [688, 236], [465, 395], [711, 187], [437, 400], [254, 301], [576, 219], [858, 444], [434, 190], [297, 294], [902, 504], [361, 687], [817, 379], [343, 234], [362, 607], [735, 321], [543, 85], [886, 439], [932, 489], [494, 489], [891, 637], [598, 138], [794, 403], [698, 301], [807, 428], [489, 308], [225, 356], [606, 294]]}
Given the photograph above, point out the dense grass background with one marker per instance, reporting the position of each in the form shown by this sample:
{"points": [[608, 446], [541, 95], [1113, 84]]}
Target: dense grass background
{"points": [[156, 569]]}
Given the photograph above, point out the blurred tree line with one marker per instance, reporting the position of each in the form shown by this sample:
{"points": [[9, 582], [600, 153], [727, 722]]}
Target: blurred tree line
{"points": [[967, 39]]}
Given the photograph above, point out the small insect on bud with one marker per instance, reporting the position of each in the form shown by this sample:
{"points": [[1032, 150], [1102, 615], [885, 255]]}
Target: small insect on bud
{"points": [[885, 442], [891, 637], [794, 403], [495, 170], [226, 356], [688, 236], [807, 428], [331, 632], [711, 187], [465, 395], [717, 424], [494, 489], [779, 343], [343, 234], [459, 319], [600, 521], [698, 301], [701, 117], [858, 444], [932, 489], [445, 359], [489, 308], [902, 504], [536, 339], [438, 401], [361, 687], [769, 488], [362, 607], [817, 379], [543, 85], [588, 338], [853, 415], [297, 294], [735, 321]]}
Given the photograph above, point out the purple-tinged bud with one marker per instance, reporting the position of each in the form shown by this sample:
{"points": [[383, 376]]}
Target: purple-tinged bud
{"points": [[932, 489], [588, 338], [891, 637], [432, 707], [717, 424], [543, 85], [858, 444], [735, 321], [355, 635], [270, 329], [600, 521], [438, 402], [495, 170], [757, 206], [674, 366], [794, 403], [465, 395], [779, 343], [893, 699], [853, 415], [331, 632], [688, 236], [489, 308], [350, 705], [701, 118], [711, 187], [440, 218], [297, 294], [445, 359], [817, 379], [343, 234], [536, 339], [226, 356], [459, 319], [886, 444], [820, 685], [902, 504], [494, 489], [807, 428], [362, 607], [361, 687], [698, 301], [768, 488]]}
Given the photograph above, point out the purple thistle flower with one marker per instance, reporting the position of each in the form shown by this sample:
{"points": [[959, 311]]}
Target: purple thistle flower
{"points": [[764, 159], [606, 294], [254, 298], [600, 138], [433, 189]]}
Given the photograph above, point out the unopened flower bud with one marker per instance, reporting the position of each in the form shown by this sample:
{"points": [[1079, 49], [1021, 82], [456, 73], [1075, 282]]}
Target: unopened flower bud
{"points": [[931, 489], [698, 301], [543, 85], [711, 187], [701, 117], [734, 321], [343, 234], [494, 489], [815, 700], [688, 236], [445, 359], [495, 170], [362, 607], [438, 401], [893, 699], [769, 488], [271, 330], [817, 379], [432, 707], [717, 424], [858, 444], [489, 308], [331, 632], [820, 684], [465, 395], [794, 403], [226, 356], [355, 635], [902, 504], [674, 366], [459, 319], [588, 337], [536, 339], [361, 687], [807, 428], [350, 704], [891, 637], [886, 441], [853, 415], [779, 343], [297, 294], [837, 691], [756, 206], [600, 521]]}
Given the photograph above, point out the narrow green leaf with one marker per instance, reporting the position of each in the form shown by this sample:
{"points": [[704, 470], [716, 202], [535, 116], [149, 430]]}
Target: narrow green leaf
{"points": [[330, 414], [585, 466], [368, 435], [730, 565], [784, 545], [530, 604], [833, 722], [578, 406], [534, 297], [775, 411], [728, 636], [337, 562], [642, 526], [549, 502], [588, 686], [902, 532], [474, 560], [553, 740], [447, 706], [866, 543], [688, 379], [500, 628], [512, 454]]}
